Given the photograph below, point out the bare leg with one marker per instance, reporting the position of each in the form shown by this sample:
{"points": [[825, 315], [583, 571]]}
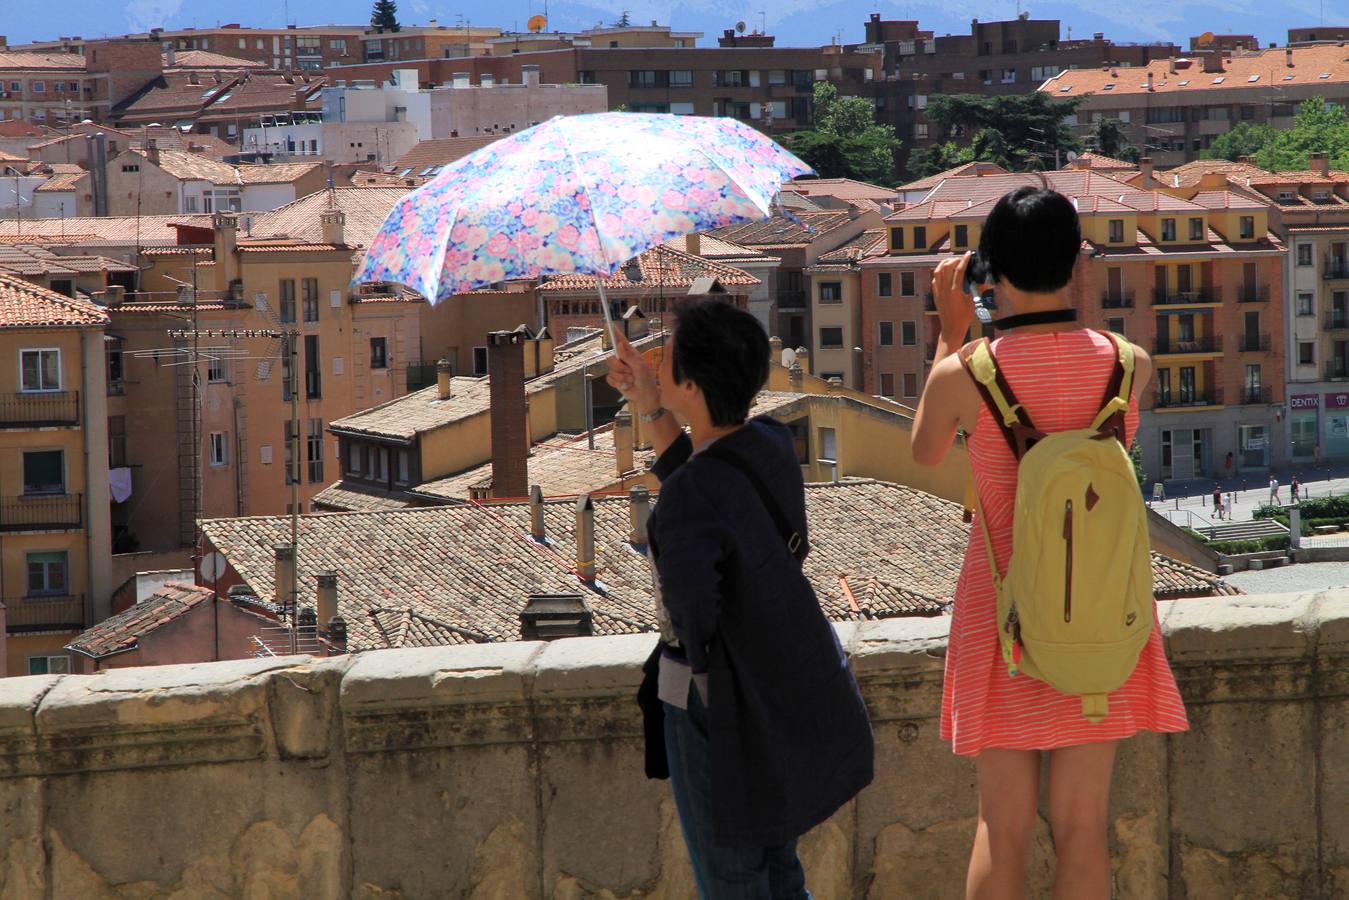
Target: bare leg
{"points": [[1079, 796], [1009, 791]]}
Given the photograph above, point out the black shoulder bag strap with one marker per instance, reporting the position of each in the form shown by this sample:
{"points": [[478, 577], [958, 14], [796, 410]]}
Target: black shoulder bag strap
{"points": [[796, 545]]}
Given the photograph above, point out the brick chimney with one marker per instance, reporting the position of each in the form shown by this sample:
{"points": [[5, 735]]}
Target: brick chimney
{"points": [[537, 529], [333, 222], [639, 511], [1145, 166], [444, 380], [693, 243], [152, 151], [585, 538], [1150, 80], [510, 415], [1213, 61], [226, 233], [283, 567], [623, 441], [1288, 57], [1320, 164], [326, 592]]}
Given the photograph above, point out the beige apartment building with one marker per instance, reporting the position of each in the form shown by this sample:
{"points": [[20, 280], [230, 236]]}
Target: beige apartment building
{"points": [[834, 285], [54, 482], [230, 457], [59, 87], [1174, 108]]}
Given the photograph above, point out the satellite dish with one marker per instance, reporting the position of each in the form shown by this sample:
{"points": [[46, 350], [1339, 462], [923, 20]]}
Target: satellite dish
{"points": [[740, 27], [536, 23], [1206, 39], [1072, 156], [213, 566]]}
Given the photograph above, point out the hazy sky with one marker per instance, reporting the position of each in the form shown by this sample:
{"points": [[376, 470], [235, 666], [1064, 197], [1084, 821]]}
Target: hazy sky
{"points": [[795, 22]]}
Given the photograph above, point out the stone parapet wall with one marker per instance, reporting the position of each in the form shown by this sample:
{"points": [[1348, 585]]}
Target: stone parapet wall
{"points": [[514, 771]]}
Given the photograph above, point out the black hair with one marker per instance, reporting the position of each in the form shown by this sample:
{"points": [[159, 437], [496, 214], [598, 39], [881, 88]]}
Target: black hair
{"points": [[724, 351], [1032, 238]]}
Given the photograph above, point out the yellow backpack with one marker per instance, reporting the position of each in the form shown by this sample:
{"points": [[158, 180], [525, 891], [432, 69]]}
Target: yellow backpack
{"points": [[1075, 604]]}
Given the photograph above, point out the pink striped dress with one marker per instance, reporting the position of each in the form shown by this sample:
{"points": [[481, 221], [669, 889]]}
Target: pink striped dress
{"points": [[1060, 377]]}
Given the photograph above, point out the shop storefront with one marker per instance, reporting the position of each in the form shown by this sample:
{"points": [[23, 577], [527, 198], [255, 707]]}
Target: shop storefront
{"points": [[1253, 447], [1335, 425], [1304, 425]]}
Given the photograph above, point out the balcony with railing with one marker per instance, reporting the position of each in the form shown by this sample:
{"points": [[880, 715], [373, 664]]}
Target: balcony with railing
{"points": [[788, 299], [1335, 268], [1204, 344], [55, 613], [1183, 399], [1117, 299], [1200, 297], [1336, 321], [1337, 369], [1251, 396], [1253, 343], [39, 409], [929, 303], [42, 512], [1253, 293]]}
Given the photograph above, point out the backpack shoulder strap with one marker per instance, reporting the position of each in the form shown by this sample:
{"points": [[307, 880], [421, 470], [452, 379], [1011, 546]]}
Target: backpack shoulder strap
{"points": [[796, 544], [1011, 417], [1115, 406]]}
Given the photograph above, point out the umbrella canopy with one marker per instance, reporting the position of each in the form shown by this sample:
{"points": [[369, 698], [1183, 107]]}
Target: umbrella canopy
{"points": [[576, 194]]}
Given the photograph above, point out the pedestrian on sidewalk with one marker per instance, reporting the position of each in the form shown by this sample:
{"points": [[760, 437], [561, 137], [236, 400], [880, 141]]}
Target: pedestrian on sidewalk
{"points": [[1273, 490], [1217, 501], [1293, 486], [1227, 466], [1227, 506]]}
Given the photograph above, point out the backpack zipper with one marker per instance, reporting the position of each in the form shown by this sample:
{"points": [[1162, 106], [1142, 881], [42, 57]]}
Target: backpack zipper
{"points": [[1068, 561]]}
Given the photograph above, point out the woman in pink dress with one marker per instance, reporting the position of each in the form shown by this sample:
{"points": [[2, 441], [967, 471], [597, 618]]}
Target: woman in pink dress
{"points": [[1059, 372]]}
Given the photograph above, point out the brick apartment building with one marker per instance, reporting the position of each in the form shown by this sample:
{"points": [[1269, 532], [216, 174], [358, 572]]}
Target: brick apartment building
{"points": [[1196, 281], [1175, 108], [1007, 57], [56, 87]]}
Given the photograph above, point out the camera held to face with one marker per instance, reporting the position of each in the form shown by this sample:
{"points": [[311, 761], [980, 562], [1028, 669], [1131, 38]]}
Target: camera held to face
{"points": [[977, 274]]}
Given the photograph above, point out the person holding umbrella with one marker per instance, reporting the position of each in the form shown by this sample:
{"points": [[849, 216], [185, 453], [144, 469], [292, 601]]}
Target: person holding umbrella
{"points": [[765, 731]]}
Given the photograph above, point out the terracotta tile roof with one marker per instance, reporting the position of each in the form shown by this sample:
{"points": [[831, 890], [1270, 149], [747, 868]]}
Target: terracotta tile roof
{"points": [[843, 189], [1192, 173], [102, 230], [20, 60], [205, 59], [969, 168], [863, 245], [193, 167], [662, 265], [365, 208], [31, 259], [440, 152], [16, 128], [468, 569], [1170, 576], [123, 631], [712, 247], [1299, 177], [173, 96], [265, 92], [384, 179], [1309, 63], [1228, 200], [276, 173], [342, 497], [780, 231], [63, 181], [1100, 162], [25, 305]]}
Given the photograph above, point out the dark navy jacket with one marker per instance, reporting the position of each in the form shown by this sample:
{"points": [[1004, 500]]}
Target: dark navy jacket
{"points": [[790, 737]]}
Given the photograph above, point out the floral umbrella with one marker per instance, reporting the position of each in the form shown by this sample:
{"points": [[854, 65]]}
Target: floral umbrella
{"points": [[576, 194]]}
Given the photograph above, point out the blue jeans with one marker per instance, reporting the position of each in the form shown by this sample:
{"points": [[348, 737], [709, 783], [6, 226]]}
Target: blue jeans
{"points": [[722, 873]]}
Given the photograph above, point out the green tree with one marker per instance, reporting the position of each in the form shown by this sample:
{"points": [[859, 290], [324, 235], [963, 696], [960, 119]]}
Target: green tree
{"points": [[846, 141], [384, 16], [1319, 127], [1029, 126], [1136, 457], [937, 158], [1244, 140]]}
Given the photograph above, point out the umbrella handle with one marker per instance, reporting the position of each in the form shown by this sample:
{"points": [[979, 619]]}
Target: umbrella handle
{"points": [[604, 308]]}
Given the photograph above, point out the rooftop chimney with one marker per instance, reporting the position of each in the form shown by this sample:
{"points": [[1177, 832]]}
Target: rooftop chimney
{"points": [[226, 229], [547, 617], [796, 375], [803, 359], [510, 415], [1320, 164], [1288, 57], [775, 350], [113, 296], [536, 527], [184, 292], [585, 538], [1171, 65], [152, 150], [333, 222], [530, 75], [444, 380], [835, 384], [1145, 166], [170, 57], [1150, 79], [693, 244], [623, 441], [282, 571], [326, 592], [1213, 61], [639, 511]]}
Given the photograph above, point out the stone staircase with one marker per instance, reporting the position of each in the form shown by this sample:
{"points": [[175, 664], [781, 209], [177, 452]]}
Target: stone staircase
{"points": [[1251, 530]]}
